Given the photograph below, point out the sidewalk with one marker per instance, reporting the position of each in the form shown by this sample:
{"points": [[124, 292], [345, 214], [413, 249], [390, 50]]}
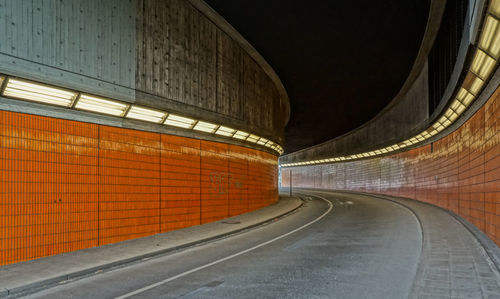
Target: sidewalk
{"points": [[36, 274], [457, 260]]}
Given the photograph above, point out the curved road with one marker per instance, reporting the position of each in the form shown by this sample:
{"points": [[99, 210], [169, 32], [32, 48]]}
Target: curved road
{"points": [[336, 246]]}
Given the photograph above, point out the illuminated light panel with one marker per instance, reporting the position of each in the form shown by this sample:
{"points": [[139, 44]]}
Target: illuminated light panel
{"points": [[490, 38], [205, 127], [465, 97], [495, 7], [262, 141], [451, 115], [225, 131], [26, 90], [457, 106], [473, 83], [270, 144], [460, 109], [253, 138], [482, 65], [241, 135], [100, 105], [47, 94], [146, 114], [179, 121], [438, 127]]}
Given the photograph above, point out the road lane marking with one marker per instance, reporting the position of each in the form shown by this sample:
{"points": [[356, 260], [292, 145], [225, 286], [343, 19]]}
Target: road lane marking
{"points": [[154, 285]]}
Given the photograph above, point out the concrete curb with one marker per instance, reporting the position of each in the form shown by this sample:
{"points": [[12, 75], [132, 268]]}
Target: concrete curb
{"points": [[44, 284]]}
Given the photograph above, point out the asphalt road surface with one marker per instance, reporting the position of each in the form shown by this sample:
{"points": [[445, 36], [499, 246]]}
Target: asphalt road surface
{"points": [[335, 246]]}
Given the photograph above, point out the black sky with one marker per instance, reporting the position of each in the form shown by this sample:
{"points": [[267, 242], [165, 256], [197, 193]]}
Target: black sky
{"points": [[341, 61]]}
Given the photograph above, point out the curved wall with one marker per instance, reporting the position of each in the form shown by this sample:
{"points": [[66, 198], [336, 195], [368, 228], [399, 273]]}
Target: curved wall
{"points": [[73, 179], [160, 54], [68, 185], [408, 111], [460, 172]]}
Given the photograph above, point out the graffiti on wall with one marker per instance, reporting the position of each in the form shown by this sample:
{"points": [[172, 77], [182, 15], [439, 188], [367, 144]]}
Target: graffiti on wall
{"points": [[221, 182]]}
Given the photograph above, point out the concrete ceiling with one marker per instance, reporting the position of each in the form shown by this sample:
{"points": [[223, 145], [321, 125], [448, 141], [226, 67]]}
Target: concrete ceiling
{"points": [[340, 61]]}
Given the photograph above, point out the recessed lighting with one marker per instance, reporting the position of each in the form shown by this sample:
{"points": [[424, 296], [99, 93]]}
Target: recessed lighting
{"points": [[146, 114], [100, 105], [205, 127], [36, 92], [225, 131], [241, 135], [179, 121]]}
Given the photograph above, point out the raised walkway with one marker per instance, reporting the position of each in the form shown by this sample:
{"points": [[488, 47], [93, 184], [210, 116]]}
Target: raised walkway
{"points": [[456, 261], [26, 277]]}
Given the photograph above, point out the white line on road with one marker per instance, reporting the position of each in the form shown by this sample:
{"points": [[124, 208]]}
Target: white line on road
{"points": [[154, 285]]}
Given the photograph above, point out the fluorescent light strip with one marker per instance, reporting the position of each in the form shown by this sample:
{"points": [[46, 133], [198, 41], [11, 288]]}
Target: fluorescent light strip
{"points": [[205, 127], [495, 7], [262, 141], [225, 131], [241, 135], [37, 92], [100, 105], [27, 90], [482, 65], [252, 138], [490, 37], [179, 121], [146, 114]]}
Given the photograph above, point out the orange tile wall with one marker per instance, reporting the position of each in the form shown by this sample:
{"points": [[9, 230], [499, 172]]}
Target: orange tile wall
{"points": [[68, 185], [461, 172]]}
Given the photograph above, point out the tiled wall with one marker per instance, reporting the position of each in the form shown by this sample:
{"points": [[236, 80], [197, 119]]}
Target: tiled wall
{"points": [[67, 185], [460, 172]]}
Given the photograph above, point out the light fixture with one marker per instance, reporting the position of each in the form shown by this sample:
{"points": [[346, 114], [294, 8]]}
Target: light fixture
{"points": [[473, 83], [252, 138], [146, 114], [457, 106], [262, 141], [482, 65], [490, 38], [240, 135], [205, 127], [495, 7], [36, 92], [269, 143], [100, 105], [23, 89], [225, 131], [451, 115], [179, 121]]}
